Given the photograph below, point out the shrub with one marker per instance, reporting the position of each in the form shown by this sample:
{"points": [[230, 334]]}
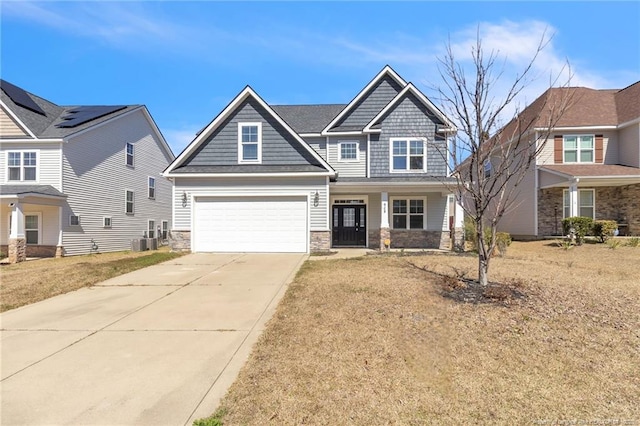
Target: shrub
{"points": [[634, 242], [503, 240], [613, 244], [604, 229], [578, 225]]}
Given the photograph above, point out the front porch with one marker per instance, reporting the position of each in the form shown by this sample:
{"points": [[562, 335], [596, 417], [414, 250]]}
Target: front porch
{"points": [[33, 217], [402, 216]]}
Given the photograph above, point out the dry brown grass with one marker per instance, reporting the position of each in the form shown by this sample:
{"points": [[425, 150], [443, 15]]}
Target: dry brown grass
{"points": [[32, 281], [373, 341]]}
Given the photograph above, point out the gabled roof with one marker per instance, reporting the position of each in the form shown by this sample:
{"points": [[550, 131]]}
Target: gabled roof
{"points": [[308, 118], [409, 89], [387, 71], [43, 122], [628, 103], [246, 93]]}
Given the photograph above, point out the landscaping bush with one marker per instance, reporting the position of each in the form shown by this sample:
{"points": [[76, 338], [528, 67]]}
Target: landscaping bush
{"points": [[503, 239], [580, 225], [604, 229]]}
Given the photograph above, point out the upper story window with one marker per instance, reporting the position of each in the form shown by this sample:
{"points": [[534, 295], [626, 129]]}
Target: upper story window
{"points": [[129, 201], [578, 149], [348, 151], [408, 155], [249, 142], [129, 154], [151, 188], [22, 166]]}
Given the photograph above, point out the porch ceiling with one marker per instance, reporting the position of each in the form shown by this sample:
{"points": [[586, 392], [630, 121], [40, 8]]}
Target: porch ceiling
{"points": [[426, 184]]}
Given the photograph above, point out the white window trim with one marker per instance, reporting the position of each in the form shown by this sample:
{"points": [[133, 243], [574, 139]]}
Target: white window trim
{"points": [[564, 206], [348, 160], [408, 156], [126, 154], [259, 159], [22, 151], [79, 220], [110, 222], [578, 149], [149, 187], [133, 202], [164, 229], [154, 229], [408, 200], [39, 214]]}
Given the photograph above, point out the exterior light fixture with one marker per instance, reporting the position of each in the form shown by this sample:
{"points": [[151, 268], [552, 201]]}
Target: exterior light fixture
{"points": [[184, 199], [316, 199]]}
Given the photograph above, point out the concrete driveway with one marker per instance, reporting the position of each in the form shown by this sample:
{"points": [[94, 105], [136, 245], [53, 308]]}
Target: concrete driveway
{"points": [[159, 346]]}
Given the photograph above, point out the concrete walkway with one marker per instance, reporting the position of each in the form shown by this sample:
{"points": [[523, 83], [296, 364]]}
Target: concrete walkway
{"points": [[159, 346]]}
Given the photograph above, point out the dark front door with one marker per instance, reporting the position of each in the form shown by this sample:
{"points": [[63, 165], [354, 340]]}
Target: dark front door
{"points": [[349, 225]]}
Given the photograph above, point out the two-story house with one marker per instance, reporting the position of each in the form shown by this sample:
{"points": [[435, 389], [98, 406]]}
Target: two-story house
{"points": [[78, 179], [589, 166], [299, 178]]}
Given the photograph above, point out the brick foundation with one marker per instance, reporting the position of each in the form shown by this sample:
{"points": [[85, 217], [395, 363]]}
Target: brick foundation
{"points": [[415, 238], [385, 234], [180, 240], [17, 250], [319, 241]]}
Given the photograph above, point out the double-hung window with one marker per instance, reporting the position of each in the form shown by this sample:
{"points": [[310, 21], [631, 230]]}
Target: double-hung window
{"points": [[165, 229], [129, 154], [32, 229], [151, 187], [129, 202], [249, 142], [348, 151], [586, 203], [151, 232], [408, 213], [22, 166], [408, 155], [579, 149]]}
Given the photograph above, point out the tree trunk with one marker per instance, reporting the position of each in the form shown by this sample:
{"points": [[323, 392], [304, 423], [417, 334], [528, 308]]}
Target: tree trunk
{"points": [[483, 268], [483, 255]]}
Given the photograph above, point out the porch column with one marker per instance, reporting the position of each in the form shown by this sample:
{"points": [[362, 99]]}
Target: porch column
{"points": [[385, 233], [59, 247], [573, 198], [17, 246], [458, 225]]}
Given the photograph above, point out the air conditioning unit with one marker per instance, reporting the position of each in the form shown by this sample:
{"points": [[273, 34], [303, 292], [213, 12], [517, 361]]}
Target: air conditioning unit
{"points": [[152, 244], [139, 245]]}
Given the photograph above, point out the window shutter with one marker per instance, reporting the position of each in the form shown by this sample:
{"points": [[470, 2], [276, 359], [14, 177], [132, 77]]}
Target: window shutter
{"points": [[599, 149], [557, 149]]}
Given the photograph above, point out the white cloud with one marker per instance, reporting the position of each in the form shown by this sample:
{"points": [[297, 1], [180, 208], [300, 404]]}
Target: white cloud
{"points": [[178, 139]]}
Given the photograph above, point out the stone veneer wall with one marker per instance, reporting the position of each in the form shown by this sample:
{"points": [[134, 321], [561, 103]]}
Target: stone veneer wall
{"points": [[320, 241], [17, 250], [180, 240], [619, 203], [401, 238]]}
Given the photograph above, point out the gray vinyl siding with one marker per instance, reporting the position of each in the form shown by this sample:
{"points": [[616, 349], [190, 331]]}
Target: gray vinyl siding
{"points": [[48, 162], [371, 103], [95, 177], [348, 168], [410, 118], [279, 147], [195, 187], [319, 145]]}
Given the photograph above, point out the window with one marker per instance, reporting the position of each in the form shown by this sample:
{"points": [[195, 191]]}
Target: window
{"points": [[165, 229], [249, 142], [129, 154], [408, 213], [31, 228], [578, 149], [408, 155], [22, 166], [106, 222], [488, 167], [586, 203], [74, 220], [151, 185], [129, 202], [348, 151], [151, 229]]}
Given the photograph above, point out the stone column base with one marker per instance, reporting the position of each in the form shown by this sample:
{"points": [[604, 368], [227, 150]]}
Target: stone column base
{"points": [[458, 239], [59, 252], [17, 250], [320, 241], [385, 239], [180, 240]]}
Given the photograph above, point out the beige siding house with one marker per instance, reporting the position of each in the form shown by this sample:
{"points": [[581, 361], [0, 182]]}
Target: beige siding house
{"points": [[590, 166], [79, 179]]}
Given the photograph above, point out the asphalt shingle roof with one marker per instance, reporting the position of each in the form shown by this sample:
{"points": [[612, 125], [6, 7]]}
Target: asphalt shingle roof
{"points": [[30, 189], [308, 118]]}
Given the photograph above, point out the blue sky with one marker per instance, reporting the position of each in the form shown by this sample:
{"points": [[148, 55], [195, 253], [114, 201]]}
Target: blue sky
{"points": [[187, 60]]}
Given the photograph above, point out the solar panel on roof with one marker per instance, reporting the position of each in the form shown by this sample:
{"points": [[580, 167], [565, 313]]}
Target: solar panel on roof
{"points": [[20, 97], [80, 115]]}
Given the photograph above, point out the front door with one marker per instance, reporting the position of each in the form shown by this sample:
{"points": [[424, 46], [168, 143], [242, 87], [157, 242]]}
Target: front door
{"points": [[349, 225]]}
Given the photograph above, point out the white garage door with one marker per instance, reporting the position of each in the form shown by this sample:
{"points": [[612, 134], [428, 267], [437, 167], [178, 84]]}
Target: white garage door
{"points": [[250, 224]]}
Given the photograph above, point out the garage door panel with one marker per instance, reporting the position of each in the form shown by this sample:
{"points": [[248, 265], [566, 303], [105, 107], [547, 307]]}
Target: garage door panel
{"points": [[251, 224]]}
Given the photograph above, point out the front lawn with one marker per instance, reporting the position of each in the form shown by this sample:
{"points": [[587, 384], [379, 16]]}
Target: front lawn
{"points": [[374, 340], [29, 282]]}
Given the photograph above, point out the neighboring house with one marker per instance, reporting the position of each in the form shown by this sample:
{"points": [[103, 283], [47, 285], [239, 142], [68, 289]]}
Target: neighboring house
{"points": [[300, 178], [76, 177], [590, 166]]}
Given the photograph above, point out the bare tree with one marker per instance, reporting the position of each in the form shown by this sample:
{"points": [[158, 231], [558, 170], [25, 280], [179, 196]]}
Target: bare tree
{"points": [[490, 160]]}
